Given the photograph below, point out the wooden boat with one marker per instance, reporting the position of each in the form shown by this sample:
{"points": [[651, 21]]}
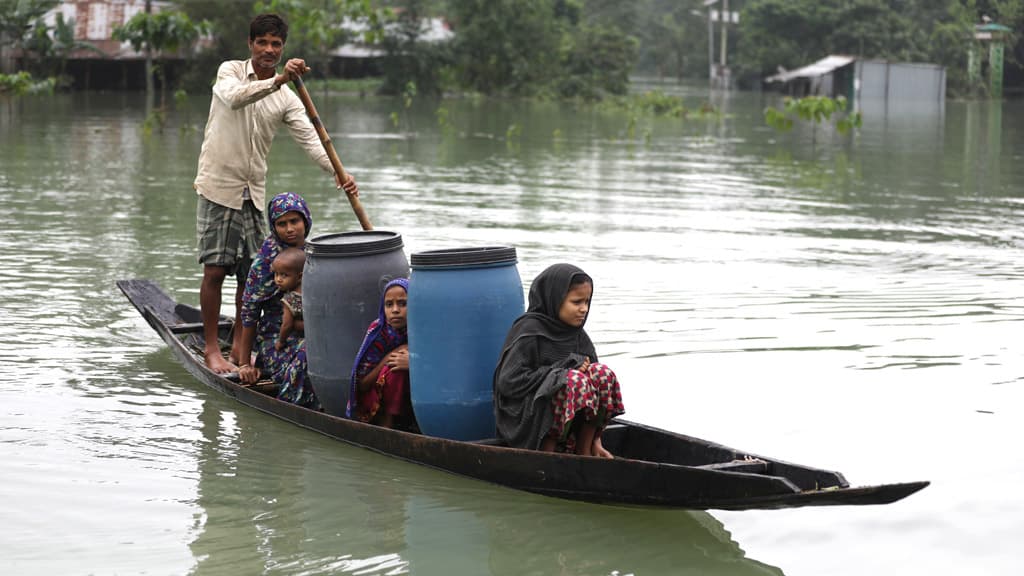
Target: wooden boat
{"points": [[652, 467]]}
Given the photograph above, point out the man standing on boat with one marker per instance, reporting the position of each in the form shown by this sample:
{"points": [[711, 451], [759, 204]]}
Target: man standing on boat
{"points": [[250, 102]]}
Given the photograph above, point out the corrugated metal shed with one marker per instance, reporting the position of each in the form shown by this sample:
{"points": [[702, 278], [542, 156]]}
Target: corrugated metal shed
{"points": [[820, 68], [860, 80]]}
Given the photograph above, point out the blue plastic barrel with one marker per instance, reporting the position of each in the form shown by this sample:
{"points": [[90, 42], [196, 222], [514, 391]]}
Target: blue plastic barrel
{"points": [[341, 285], [461, 304]]}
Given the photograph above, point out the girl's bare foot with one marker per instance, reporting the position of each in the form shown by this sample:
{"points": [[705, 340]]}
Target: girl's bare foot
{"points": [[548, 444], [217, 363], [599, 449]]}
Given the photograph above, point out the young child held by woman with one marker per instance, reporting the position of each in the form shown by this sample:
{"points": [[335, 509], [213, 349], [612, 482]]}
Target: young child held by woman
{"points": [[379, 391], [287, 269], [550, 391]]}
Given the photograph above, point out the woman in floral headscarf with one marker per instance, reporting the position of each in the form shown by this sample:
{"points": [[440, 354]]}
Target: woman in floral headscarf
{"points": [[262, 312]]}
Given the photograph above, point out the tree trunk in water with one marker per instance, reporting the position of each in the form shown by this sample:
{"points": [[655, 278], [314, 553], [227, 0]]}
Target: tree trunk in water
{"points": [[149, 68], [150, 91]]}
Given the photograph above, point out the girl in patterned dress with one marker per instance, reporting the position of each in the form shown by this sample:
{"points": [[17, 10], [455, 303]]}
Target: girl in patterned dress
{"points": [[550, 391], [379, 389], [262, 312]]}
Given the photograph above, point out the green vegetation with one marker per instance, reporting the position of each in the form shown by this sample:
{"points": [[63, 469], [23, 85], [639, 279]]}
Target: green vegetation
{"points": [[815, 109], [657, 103], [45, 49], [157, 32], [50, 48], [362, 86], [20, 18], [792, 33], [582, 50], [537, 48], [427, 65], [22, 83], [315, 27]]}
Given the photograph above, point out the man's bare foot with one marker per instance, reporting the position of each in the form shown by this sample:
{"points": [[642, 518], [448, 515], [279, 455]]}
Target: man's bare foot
{"points": [[217, 363]]}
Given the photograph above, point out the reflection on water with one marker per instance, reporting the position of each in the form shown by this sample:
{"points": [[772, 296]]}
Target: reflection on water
{"points": [[848, 302], [325, 507]]}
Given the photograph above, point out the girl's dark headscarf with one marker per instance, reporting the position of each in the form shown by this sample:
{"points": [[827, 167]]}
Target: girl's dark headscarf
{"points": [[538, 352]]}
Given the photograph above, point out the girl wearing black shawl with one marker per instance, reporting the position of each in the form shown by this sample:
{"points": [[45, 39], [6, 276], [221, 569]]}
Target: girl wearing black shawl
{"points": [[549, 390]]}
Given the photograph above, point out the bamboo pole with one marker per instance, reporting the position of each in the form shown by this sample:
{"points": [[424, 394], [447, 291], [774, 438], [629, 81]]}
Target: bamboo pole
{"points": [[325, 139]]}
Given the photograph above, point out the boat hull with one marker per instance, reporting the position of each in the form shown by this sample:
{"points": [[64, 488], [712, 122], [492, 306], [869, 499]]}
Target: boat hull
{"points": [[652, 467]]}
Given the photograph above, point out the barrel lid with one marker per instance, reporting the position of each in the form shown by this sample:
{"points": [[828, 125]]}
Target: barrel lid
{"points": [[468, 257], [357, 243]]}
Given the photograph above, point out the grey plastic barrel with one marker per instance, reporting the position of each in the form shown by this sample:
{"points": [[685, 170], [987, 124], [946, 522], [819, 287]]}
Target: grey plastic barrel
{"points": [[341, 286]]}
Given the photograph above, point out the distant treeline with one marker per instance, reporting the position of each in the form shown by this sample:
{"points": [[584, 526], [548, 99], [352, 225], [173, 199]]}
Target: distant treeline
{"points": [[582, 49], [588, 48]]}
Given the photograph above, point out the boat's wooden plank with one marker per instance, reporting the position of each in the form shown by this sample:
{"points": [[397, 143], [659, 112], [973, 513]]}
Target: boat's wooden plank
{"points": [[181, 318], [642, 442], [143, 293], [190, 327], [263, 387], [755, 466]]}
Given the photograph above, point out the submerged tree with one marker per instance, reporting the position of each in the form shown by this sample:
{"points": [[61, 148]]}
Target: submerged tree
{"points": [[815, 110], [52, 47], [153, 33], [19, 20]]}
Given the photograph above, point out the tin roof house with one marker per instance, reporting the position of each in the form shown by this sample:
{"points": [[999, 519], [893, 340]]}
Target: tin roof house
{"points": [[113, 63], [866, 82]]}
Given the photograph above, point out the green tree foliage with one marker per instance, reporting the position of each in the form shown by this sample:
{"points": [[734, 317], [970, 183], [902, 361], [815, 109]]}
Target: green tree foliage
{"points": [[505, 46], [229, 34], [157, 32], [22, 83], [20, 18], [792, 33], [595, 60], [538, 47], [814, 109], [165, 31], [410, 59], [1009, 13], [674, 38], [50, 48], [44, 49], [316, 27]]}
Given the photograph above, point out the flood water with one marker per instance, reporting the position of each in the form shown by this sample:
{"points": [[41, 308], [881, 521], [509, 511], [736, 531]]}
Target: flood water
{"points": [[852, 303]]}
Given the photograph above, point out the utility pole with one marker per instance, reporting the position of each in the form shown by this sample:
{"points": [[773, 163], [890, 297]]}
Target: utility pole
{"points": [[723, 17], [719, 73], [711, 46]]}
